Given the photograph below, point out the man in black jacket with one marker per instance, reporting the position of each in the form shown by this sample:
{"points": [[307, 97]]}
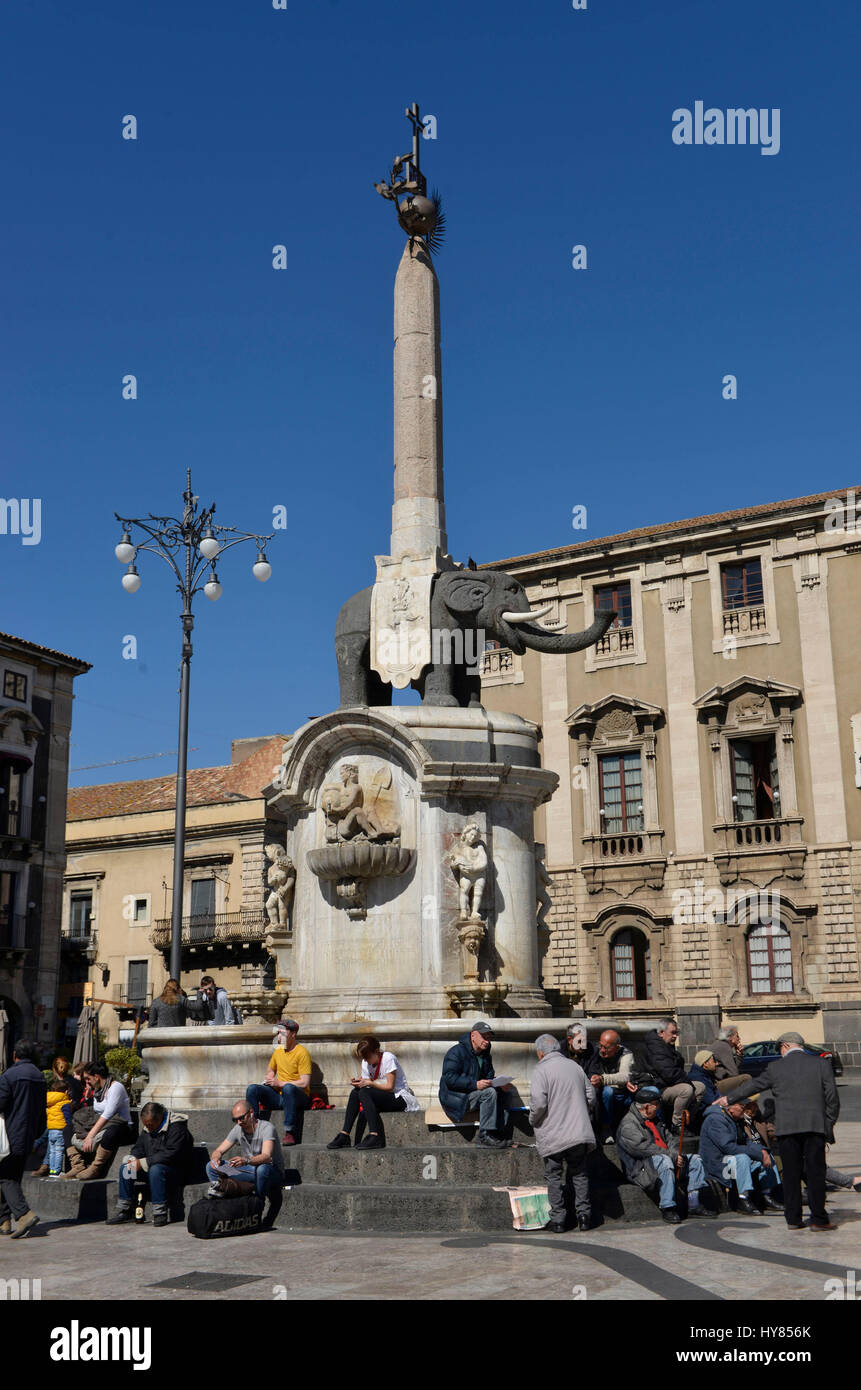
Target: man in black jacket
{"points": [[806, 1106], [465, 1084], [23, 1092], [162, 1159], [659, 1057]]}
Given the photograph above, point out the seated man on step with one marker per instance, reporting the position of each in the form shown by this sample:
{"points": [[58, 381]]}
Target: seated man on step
{"points": [[160, 1158], [729, 1156], [651, 1157], [467, 1084], [259, 1161]]}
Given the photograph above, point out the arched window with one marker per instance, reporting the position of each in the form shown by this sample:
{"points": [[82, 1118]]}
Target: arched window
{"points": [[769, 959], [630, 966]]}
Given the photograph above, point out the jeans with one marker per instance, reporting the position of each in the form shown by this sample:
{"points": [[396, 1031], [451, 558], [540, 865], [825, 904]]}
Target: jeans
{"points": [[613, 1105], [11, 1192], [290, 1099], [575, 1189], [491, 1103], [164, 1183], [741, 1168], [665, 1167], [803, 1152], [56, 1150], [268, 1182], [372, 1101]]}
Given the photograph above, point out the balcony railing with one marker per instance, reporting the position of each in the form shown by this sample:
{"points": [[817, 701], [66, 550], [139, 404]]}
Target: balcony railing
{"points": [[780, 833], [229, 928], [615, 642], [125, 998], [743, 621], [76, 937], [497, 661], [13, 931]]}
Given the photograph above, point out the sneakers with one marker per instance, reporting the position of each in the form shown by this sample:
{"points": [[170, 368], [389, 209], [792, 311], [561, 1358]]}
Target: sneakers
{"points": [[288, 1139], [489, 1141], [214, 1190], [25, 1225]]}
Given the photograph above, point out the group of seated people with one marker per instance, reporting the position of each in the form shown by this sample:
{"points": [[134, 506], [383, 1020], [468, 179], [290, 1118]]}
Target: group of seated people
{"points": [[641, 1099]]}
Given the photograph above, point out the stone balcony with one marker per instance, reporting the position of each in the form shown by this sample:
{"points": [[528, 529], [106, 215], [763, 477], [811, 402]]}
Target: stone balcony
{"points": [[635, 859], [744, 622], [615, 642], [760, 849], [222, 934]]}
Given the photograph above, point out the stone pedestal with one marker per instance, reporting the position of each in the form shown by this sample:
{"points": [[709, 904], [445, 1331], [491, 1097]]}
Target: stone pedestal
{"points": [[376, 921]]}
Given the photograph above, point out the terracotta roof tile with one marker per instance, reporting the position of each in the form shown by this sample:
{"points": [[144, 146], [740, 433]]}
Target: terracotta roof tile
{"points": [[206, 786], [668, 528], [47, 651]]}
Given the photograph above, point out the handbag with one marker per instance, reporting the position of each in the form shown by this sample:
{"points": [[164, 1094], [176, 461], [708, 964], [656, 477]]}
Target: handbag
{"points": [[5, 1148]]}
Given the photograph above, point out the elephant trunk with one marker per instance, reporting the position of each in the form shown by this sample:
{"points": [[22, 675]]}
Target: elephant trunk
{"points": [[540, 641]]}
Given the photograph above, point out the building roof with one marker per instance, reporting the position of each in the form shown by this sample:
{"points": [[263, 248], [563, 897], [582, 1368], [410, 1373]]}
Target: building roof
{"points": [[671, 528], [206, 786], [74, 661]]}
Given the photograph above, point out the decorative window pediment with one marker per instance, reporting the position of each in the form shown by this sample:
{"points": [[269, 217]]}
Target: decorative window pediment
{"points": [[623, 839], [750, 727]]}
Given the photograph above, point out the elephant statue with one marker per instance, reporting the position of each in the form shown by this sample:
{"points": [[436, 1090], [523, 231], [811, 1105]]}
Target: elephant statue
{"points": [[465, 603]]}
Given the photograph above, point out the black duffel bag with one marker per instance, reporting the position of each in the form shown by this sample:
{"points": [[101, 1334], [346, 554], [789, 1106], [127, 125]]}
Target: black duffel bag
{"points": [[213, 1217]]}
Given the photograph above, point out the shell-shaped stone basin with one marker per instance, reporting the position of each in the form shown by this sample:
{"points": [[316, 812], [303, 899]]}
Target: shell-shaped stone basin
{"points": [[359, 859]]}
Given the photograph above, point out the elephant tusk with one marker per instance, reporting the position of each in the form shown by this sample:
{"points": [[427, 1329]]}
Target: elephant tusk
{"points": [[527, 617]]}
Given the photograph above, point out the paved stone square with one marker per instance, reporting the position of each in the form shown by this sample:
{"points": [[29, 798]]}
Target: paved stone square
{"points": [[733, 1258]]}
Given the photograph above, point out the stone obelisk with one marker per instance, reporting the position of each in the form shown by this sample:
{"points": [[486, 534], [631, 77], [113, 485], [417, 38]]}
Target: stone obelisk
{"points": [[400, 606]]}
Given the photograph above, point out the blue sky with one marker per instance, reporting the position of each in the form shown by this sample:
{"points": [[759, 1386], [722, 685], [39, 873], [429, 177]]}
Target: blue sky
{"points": [[561, 387]]}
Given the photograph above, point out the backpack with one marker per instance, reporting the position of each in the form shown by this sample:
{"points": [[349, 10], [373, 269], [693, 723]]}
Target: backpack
{"points": [[213, 1217]]}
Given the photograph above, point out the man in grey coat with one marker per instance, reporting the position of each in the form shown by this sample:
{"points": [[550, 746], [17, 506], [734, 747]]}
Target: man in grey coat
{"points": [[559, 1114], [806, 1107]]}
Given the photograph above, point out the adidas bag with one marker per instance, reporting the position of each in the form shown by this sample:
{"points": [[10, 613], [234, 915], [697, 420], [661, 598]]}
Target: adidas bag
{"points": [[225, 1216]]}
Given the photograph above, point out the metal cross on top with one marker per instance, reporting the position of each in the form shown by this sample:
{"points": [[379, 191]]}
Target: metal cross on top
{"points": [[406, 175]]}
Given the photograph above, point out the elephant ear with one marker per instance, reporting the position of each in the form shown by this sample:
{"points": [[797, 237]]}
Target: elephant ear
{"points": [[464, 592]]}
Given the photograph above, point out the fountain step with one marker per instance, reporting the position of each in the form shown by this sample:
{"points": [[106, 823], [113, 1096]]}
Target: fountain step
{"points": [[420, 1207], [319, 1126]]}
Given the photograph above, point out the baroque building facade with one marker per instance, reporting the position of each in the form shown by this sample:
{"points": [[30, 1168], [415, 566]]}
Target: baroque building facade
{"points": [[118, 885], [36, 695], [702, 854]]}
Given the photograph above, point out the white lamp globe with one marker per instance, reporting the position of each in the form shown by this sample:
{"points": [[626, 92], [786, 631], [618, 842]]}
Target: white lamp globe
{"points": [[209, 546], [125, 551], [131, 580], [262, 568], [212, 588]]}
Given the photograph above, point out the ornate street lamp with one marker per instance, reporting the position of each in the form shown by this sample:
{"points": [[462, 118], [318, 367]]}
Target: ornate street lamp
{"points": [[202, 543]]}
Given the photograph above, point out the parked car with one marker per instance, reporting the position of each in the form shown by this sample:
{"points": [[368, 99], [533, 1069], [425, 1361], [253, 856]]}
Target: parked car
{"points": [[759, 1055]]}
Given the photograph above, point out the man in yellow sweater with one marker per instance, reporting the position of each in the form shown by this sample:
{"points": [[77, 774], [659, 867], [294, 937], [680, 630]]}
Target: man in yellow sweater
{"points": [[288, 1081]]}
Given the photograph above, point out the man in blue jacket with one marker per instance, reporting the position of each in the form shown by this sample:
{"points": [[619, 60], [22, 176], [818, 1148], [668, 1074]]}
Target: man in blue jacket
{"points": [[726, 1156], [22, 1104], [465, 1084]]}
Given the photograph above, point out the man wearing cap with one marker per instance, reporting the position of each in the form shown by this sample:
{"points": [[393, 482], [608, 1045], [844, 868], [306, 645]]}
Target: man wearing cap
{"points": [[703, 1070], [465, 1084], [729, 1156], [650, 1154], [287, 1085], [806, 1107]]}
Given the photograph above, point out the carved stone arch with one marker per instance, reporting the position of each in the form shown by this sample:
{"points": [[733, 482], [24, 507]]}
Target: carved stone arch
{"points": [[752, 906], [600, 932]]}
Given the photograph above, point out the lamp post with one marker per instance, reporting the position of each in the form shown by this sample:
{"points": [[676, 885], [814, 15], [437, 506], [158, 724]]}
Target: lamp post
{"points": [[189, 546]]}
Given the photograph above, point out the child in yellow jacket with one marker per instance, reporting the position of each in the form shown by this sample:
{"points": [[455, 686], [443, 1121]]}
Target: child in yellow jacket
{"points": [[58, 1097]]}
